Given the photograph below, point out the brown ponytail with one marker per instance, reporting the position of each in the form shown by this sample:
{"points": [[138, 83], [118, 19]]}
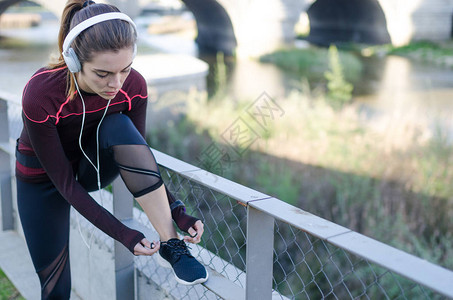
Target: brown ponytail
{"points": [[111, 35]]}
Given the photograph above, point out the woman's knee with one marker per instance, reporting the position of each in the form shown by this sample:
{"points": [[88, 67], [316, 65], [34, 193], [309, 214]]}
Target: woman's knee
{"points": [[118, 129], [116, 121]]}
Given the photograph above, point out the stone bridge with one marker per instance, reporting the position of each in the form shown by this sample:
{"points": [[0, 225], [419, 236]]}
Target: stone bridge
{"points": [[254, 27]]}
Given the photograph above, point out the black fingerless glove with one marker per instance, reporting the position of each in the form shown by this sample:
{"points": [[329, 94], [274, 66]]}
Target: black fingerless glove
{"points": [[178, 213]]}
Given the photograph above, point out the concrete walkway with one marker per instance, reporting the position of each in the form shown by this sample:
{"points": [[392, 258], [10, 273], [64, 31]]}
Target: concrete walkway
{"points": [[15, 261]]}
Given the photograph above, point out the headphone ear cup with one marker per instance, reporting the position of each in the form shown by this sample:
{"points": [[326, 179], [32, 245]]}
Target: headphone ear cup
{"points": [[135, 50], [72, 61]]}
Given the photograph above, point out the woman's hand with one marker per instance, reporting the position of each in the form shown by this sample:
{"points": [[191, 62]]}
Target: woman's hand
{"points": [[145, 247], [196, 231]]}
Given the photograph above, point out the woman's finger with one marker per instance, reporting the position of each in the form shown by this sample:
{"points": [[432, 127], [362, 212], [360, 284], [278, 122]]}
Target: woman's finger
{"points": [[147, 243], [145, 247], [195, 233]]}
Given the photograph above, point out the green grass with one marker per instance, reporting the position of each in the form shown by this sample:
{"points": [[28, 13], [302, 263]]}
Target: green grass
{"points": [[278, 180], [313, 62], [422, 46], [440, 54], [7, 289]]}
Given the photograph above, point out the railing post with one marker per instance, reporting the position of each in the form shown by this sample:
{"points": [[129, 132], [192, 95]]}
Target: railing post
{"points": [[124, 260], [5, 170], [259, 255]]}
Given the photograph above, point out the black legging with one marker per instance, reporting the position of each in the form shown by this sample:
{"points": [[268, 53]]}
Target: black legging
{"points": [[44, 213]]}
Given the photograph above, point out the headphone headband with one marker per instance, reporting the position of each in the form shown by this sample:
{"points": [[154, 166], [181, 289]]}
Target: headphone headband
{"points": [[92, 21], [69, 54]]}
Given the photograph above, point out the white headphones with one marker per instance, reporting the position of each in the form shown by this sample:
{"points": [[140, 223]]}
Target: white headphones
{"points": [[69, 55]]}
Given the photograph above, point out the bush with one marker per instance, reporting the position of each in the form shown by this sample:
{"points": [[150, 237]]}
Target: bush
{"points": [[339, 90]]}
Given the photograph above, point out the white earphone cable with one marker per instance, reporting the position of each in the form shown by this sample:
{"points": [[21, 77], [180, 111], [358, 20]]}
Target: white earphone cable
{"points": [[97, 166]]}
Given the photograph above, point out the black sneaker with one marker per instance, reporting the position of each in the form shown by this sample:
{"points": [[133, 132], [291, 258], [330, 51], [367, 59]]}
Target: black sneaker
{"points": [[186, 268]]}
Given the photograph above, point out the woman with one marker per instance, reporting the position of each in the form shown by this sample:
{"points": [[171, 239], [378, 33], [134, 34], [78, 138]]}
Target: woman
{"points": [[84, 123]]}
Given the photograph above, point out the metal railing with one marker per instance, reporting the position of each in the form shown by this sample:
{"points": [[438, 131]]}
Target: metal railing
{"points": [[257, 246]]}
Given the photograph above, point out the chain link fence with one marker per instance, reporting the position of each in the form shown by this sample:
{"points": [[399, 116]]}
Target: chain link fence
{"points": [[304, 267]]}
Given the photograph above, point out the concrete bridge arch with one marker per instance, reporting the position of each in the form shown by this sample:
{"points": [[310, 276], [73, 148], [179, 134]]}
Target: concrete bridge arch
{"points": [[262, 26], [254, 27], [337, 21], [243, 27]]}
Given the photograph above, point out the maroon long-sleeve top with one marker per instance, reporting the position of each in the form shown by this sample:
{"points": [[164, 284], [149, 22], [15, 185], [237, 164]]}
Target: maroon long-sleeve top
{"points": [[52, 125]]}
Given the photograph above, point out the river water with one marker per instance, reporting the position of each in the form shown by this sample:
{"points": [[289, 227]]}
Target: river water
{"points": [[388, 85]]}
